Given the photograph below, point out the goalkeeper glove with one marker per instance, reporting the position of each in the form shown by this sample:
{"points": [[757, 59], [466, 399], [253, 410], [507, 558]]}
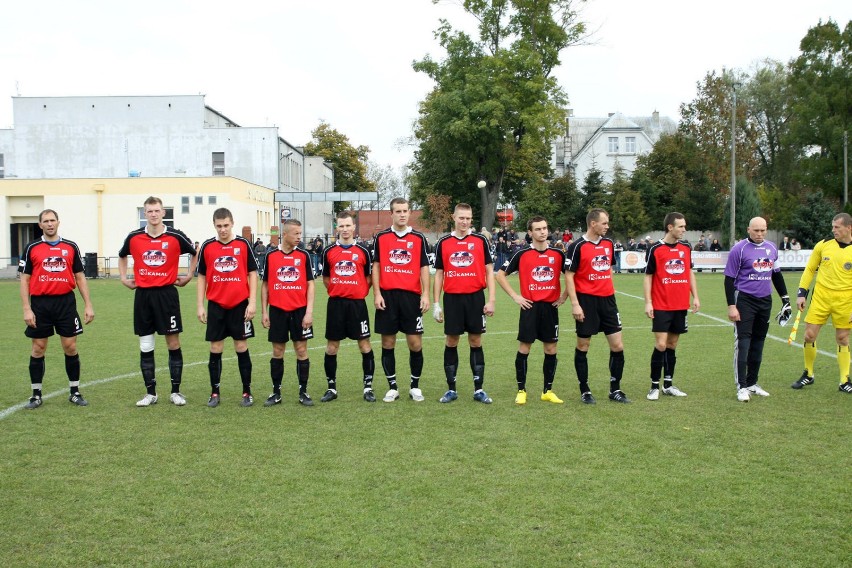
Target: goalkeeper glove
{"points": [[786, 311]]}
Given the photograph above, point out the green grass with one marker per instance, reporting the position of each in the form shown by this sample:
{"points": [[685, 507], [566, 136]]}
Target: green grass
{"points": [[700, 481]]}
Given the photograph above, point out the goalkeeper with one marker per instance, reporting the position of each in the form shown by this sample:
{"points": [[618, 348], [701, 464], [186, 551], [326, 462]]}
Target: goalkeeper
{"points": [[831, 260], [750, 273]]}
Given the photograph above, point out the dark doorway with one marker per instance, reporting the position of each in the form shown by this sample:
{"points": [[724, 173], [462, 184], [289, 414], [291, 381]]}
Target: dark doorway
{"points": [[21, 235]]}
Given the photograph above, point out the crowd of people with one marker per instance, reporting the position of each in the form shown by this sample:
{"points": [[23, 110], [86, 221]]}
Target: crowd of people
{"points": [[553, 268]]}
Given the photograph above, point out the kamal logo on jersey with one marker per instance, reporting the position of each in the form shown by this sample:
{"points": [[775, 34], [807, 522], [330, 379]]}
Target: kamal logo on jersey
{"points": [[675, 266], [345, 268], [288, 274], [601, 263], [542, 274], [54, 264], [225, 264], [154, 258], [400, 257], [461, 259], [762, 265]]}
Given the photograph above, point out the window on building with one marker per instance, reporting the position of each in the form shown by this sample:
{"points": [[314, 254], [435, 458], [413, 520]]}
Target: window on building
{"points": [[184, 205], [168, 218], [218, 163], [211, 200], [612, 146], [630, 144], [2, 167], [199, 200]]}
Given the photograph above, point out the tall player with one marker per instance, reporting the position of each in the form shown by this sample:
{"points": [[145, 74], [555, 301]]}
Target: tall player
{"points": [[751, 271], [593, 303], [669, 281], [831, 260], [50, 271], [346, 274], [463, 269], [287, 304], [401, 295], [538, 267], [227, 276], [156, 250]]}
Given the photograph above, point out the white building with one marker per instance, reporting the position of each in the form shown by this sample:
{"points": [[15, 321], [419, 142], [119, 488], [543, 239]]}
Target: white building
{"points": [[605, 142], [88, 144]]}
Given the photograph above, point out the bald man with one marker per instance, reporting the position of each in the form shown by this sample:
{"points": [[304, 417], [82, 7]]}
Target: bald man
{"points": [[751, 272]]}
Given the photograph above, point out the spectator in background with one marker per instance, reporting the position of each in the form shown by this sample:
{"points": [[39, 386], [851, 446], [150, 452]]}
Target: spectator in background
{"points": [[785, 244], [631, 244], [617, 249], [706, 241], [795, 245], [715, 246]]}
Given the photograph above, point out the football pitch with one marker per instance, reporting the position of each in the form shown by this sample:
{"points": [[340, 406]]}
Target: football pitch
{"points": [[697, 481]]}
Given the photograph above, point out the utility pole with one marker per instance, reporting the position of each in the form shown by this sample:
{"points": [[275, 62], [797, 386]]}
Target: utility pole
{"points": [[734, 85]]}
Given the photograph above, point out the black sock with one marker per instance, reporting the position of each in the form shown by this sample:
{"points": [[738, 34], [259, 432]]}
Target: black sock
{"points": [[657, 364], [176, 368], [389, 366], [303, 371], [329, 363], [616, 369], [36, 374], [72, 369], [146, 363], [521, 370], [451, 365], [276, 370], [245, 366], [368, 366], [549, 370], [415, 361], [214, 366], [477, 366], [581, 366], [668, 368]]}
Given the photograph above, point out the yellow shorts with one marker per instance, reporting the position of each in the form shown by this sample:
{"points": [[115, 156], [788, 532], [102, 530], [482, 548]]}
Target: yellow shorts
{"points": [[834, 303]]}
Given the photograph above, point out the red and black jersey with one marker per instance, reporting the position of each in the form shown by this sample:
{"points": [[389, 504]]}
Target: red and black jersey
{"points": [[52, 267], [671, 268], [400, 259], [155, 259], [591, 264], [226, 267], [463, 261], [287, 275], [539, 273], [348, 268]]}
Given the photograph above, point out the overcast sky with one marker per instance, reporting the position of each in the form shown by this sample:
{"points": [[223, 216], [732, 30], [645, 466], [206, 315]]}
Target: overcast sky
{"points": [[348, 62]]}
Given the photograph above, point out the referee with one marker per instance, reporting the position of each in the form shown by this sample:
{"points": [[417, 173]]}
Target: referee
{"points": [[463, 269], [831, 260], [156, 250], [50, 271]]}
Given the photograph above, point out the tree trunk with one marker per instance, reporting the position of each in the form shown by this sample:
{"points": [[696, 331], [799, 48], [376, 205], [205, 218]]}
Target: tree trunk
{"points": [[489, 195]]}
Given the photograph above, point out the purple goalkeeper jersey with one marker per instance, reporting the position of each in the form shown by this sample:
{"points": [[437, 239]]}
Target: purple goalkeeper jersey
{"points": [[751, 266]]}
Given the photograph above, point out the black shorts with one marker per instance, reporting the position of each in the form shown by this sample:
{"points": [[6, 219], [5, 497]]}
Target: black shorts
{"points": [[346, 318], [285, 326], [223, 323], [157, 310], [540, 322], [464, 313], [600, 314], [401, 313], [670, 321], [59, 312]]}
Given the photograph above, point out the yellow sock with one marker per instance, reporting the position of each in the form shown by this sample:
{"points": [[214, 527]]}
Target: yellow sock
{"points": [[843, 362], [810, 357]]}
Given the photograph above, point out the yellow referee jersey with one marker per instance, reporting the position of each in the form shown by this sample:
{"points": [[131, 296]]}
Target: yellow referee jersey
{"points": [[834, 262]]}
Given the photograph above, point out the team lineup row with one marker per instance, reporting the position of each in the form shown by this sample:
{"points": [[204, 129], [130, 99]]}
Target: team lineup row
{"points": [[397, 270]]}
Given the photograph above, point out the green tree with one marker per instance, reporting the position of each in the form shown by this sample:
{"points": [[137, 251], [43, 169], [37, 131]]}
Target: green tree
{"points": [[748, 207], [537, 200], [349, 162], [822, 104], [627, 216], [595, 191], [812, 220], [777, 207], [495, 106]]}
